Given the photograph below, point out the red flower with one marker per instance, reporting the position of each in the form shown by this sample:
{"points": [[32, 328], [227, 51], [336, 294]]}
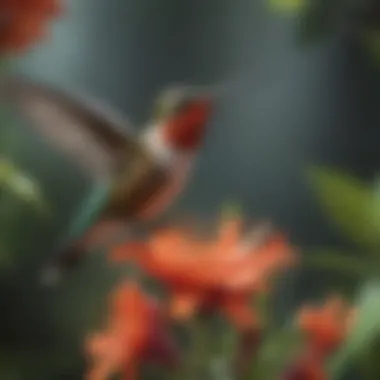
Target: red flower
{"points": [[136, 332], [325, 328], [306, 368], [205, 275], [23, 22]]}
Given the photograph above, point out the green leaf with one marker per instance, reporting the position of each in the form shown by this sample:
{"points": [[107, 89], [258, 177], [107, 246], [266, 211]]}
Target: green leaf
{"points": [[365, 332], [200, 352], [349, 204], [21, 185], [263, 304], [369, 363], [19, 365], [220, 369], [376, 206], [6, 258], [318, 20], [277, 350], [340, 262], [371, 41], [287, 5]]}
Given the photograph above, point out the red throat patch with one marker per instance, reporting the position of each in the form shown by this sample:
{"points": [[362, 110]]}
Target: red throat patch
{"points": [[185, 131]]}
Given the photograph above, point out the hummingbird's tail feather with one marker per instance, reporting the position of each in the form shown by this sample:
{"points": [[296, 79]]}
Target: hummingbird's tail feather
{"points": [[68, 257]]}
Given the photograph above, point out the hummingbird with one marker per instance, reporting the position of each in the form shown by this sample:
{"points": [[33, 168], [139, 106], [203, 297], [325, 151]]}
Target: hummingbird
{"points": [[136, 176]]}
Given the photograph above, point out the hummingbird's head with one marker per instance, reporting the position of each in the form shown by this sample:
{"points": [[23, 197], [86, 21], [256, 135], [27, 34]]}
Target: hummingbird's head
{"points": [[183, 113]]}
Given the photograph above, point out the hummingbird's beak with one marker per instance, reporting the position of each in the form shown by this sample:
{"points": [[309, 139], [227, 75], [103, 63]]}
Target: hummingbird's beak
{"points": [[214, 92]]}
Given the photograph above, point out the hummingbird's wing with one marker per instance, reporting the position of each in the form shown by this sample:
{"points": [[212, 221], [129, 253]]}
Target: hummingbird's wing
{"points": [[89, 133]]}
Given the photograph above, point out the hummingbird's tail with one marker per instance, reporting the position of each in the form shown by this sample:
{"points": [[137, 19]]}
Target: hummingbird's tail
{"points": [[69, 253], [68, 256]]}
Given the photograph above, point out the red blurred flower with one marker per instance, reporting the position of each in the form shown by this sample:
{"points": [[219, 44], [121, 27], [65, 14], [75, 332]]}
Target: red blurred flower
{"points": [[325, 328], [24, 22], [306, 368], [205, 275], [136, 332]]}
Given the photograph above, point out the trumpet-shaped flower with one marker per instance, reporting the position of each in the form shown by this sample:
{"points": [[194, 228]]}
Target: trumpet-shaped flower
{"points": [[327, 326], [136, 332], [207, 274]]}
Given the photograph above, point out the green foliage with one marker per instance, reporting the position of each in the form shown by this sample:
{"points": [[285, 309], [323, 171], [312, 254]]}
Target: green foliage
{"points": [[287, 5], [368, 360], [31, 365], [365, 332], [20, 185], [315, 19], [340, 262], [277, 350], [320, 19], [354, 209], [17, 188], [351, 205], [13, 181], [371, 41], [280, 344]]}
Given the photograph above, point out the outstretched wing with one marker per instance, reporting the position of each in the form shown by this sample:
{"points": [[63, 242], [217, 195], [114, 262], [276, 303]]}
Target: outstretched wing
{"points": [[86, 131]]}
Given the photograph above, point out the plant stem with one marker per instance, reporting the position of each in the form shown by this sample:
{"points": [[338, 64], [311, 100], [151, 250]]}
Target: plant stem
{"points": [[200, 350]]}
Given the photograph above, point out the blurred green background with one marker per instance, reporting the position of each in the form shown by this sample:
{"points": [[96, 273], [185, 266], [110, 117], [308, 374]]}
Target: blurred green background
{"points": [[290, 108]]}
